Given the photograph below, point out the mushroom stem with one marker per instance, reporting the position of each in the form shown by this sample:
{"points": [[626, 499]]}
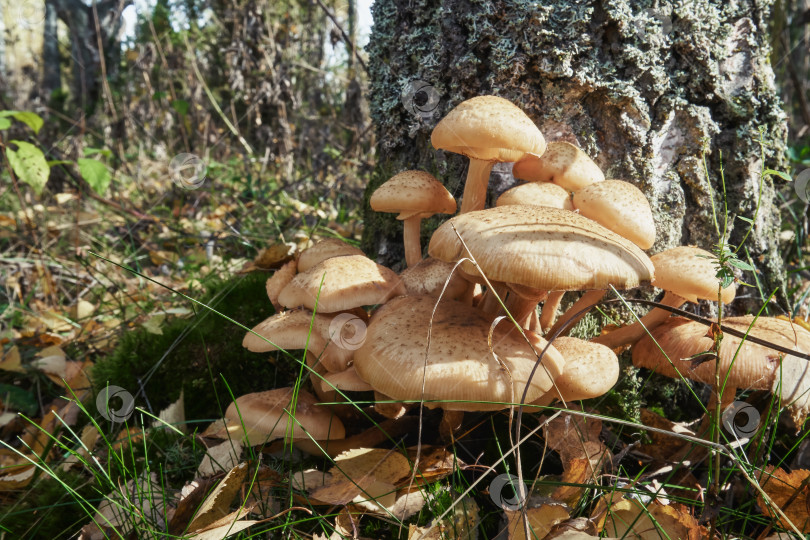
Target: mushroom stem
{"points": [[411, 239], [490, 304], [632, 333], [550, 307], [589, 299], [475, 190], [521, 306]]}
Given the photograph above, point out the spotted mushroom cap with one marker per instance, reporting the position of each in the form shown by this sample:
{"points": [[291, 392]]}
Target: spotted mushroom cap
{"points": [[537, 194], [265, 417], [288, 330], [621, 207], [429, 276], [562, 163], [458, 365], [488, 128], [542, 248], [342, 283], [590, 370], [413, 193], [690, 272]]}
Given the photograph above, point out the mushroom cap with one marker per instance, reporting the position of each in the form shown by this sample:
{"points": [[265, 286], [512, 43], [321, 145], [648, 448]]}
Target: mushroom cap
{"points": [[690, 272], [590, 369], [413, 193], [756, 366], [265, 418], [325, 249], [537, 194], [429, 276], [458, 365], [348, 282], [621, 207], [542, 248], [288, 330], [488, 128], [562, 163], [279, 280]]}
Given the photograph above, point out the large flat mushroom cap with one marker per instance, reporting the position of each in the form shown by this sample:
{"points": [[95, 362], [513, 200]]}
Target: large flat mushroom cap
{"points": [[543, 248], [458, 365], [264, 417], [755, 367], [413, 192], [562, 163], [690, 272], [621, 207], [325, 249], [348, 282], [488, 128]]}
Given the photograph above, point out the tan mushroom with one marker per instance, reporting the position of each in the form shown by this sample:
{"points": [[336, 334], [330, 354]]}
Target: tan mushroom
{"points": [[545, 249], [460, 371], [279, 280], [342, 283], [562, 163], [281, 414], [488, 130], [430, 276], [590, 371], [415, 195], [685, 273], [325, 249], [621, 207], [537, 194]]}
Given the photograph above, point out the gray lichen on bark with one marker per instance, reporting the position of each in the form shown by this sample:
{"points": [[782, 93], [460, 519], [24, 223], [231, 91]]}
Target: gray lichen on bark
{"points": [[644, 88]]}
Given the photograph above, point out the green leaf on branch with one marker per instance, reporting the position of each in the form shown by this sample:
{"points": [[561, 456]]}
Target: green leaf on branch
{"points": [[780, 174], [181, 106], [32, 120], [28, 163], [95, 173], [5, 123], [741, 265]]}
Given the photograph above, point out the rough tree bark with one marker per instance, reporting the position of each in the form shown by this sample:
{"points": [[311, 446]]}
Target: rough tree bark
{"points": [[642, 87]]}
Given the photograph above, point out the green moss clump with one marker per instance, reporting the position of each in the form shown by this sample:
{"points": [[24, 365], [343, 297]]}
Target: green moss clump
{"points": [[196, 354]]}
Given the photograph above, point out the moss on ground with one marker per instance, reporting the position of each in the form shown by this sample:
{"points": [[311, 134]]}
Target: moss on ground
{"points": [[199, 353]]}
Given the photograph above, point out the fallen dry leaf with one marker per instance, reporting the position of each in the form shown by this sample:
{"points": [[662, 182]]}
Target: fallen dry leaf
{"points": [[220, 458], [11, 361], [629, 518], [216, 505], [356, 471], [791, 492], [542, 514]]}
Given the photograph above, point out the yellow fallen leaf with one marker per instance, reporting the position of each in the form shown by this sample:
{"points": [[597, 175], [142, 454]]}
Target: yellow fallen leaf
{"points": [[783, 487], [542, 517], [11, 361]]}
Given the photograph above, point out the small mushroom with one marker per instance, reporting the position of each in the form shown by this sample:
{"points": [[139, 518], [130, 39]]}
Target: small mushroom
{"points": [[282, 414], [537, 194], [430, 276], [685, 273], [488, 130], [621, 207], [590, 371], [325, 249], [415, 195], [278, 281], [562, 163], [342, 283]]}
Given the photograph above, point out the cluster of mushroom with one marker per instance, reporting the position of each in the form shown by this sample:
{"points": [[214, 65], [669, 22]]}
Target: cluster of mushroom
{"points": [[433, 334]]}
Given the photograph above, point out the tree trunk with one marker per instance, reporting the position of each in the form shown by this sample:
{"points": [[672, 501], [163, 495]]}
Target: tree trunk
{"points": [[643, 88], [51, 74]]}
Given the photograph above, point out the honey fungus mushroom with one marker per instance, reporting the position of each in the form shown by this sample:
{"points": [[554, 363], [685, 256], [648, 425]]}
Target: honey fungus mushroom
{"points": [[460, 371], [488, 130], [755, 367], [415, 195], [540, 249], [562, 163]]}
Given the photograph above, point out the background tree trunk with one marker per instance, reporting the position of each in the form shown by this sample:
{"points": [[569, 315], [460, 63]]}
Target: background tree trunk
{"points": [[642, 87]]}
